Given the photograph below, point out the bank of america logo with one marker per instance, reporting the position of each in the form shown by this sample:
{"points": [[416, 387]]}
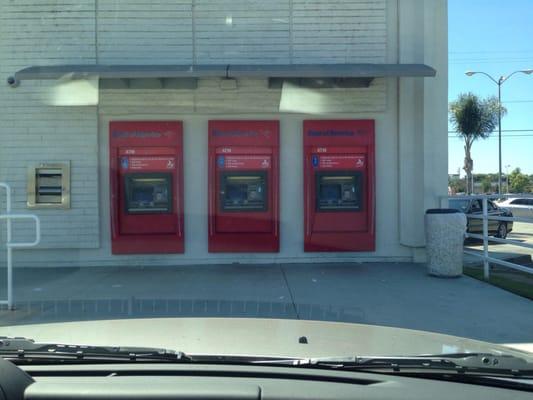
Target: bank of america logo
{"points": [[220, 161], [124, 162]]}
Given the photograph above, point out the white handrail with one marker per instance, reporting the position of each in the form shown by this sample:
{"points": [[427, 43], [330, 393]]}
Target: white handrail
{"points": [[490, 196], [10, 245], [19, 245], [8, 196]]}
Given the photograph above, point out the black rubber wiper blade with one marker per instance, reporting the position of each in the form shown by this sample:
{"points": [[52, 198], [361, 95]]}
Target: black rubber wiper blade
{"points": [[24, 349], [459, 362]]}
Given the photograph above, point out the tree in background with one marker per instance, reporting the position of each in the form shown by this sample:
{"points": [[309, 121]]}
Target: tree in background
{"points": [[518, 182], [457, 185], [473, 118], [486, 184]]}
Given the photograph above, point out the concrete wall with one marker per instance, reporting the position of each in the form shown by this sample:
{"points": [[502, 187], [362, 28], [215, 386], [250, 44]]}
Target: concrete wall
{"points": [[410, 113], [422, 117], [31, 130], [240, 31]]}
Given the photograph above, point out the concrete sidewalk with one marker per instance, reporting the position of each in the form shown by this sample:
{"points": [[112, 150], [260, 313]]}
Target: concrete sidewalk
{"points": [[391, 294]]}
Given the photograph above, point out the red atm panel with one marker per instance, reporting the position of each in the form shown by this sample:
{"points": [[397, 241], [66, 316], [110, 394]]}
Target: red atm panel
{"points": [[243, 186], [339, 185], [146, 178]]}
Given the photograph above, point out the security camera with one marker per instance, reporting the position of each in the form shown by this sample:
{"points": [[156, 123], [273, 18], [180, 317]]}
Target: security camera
{"points": [[11, 81]]}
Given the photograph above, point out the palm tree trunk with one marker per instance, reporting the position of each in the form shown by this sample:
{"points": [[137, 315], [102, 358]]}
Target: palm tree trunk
{"points": [[468, 167]]}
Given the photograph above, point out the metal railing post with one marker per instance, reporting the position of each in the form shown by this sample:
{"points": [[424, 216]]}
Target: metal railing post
{"points": [[9, 250], [486, 268], [9, 267], [8, 216]]}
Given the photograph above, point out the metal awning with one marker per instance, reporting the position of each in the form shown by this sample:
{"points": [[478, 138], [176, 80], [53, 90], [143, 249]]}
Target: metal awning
{"points": [[343, 75]]}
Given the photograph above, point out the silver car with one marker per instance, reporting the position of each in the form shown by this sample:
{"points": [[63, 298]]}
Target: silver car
{"points": [[520, 207], [499, 229]]}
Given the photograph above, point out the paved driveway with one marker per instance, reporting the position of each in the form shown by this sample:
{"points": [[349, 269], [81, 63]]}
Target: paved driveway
{"points": [[391, 294], [521, 232]]}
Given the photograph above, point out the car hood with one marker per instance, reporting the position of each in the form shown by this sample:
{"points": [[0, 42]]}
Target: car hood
{"points": [[247, 336]]}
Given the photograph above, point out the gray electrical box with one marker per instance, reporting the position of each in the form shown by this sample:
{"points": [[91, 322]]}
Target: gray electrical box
{"points": [[49, 185]]}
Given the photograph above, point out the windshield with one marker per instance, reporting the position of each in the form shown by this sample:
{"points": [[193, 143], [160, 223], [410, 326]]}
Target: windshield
{"points": [[248, 173], [461, 205]]}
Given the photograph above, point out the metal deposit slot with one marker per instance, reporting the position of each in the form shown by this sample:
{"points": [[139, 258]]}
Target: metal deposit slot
{"points": [[336, 192], [49, 187], [241, 192], [148, 193]]}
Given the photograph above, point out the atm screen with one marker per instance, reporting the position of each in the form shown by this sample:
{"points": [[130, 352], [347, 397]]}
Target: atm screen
{"points": [[339, 191], [243, 191], [330, 192], [149, 193]]}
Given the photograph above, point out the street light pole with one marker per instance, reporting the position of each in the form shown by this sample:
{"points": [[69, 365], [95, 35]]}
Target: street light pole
{"points": [[499, 82], [507, 177]]}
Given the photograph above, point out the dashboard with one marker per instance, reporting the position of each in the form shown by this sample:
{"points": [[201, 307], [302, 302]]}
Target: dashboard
{"points": [[215, 381]]}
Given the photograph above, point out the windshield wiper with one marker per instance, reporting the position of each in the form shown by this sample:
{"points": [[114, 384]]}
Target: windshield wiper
{"points": [[480, 363], [27, 350], [23, 349]]}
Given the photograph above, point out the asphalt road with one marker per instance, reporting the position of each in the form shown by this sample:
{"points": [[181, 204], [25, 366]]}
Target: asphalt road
{"points": [[522, 233]]}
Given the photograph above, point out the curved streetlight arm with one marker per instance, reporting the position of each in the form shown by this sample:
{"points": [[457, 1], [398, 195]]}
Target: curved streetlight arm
{"points": [[470, 73], [502, 78], [527, 72]]}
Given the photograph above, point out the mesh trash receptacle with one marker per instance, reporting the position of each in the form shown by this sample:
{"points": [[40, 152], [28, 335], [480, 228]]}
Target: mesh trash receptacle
{"points": [[445, 233]]}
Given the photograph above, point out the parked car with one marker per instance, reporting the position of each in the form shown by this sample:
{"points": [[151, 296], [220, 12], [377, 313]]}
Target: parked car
{"points": [[519, 207], [499, 229]]}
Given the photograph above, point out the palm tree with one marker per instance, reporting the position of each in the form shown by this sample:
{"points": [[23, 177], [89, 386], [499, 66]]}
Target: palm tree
{"points": [[473, 118]]}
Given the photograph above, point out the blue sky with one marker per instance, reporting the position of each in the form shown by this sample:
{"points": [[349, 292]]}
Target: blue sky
{"points": [[496, 37]]}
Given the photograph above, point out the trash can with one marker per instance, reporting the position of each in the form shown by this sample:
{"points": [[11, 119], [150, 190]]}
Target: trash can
{"points": [[445, 234]]}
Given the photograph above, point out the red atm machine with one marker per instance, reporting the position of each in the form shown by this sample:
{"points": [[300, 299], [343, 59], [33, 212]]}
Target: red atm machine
{"points": [[146, 178], [339, 185], [243, 186]]}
